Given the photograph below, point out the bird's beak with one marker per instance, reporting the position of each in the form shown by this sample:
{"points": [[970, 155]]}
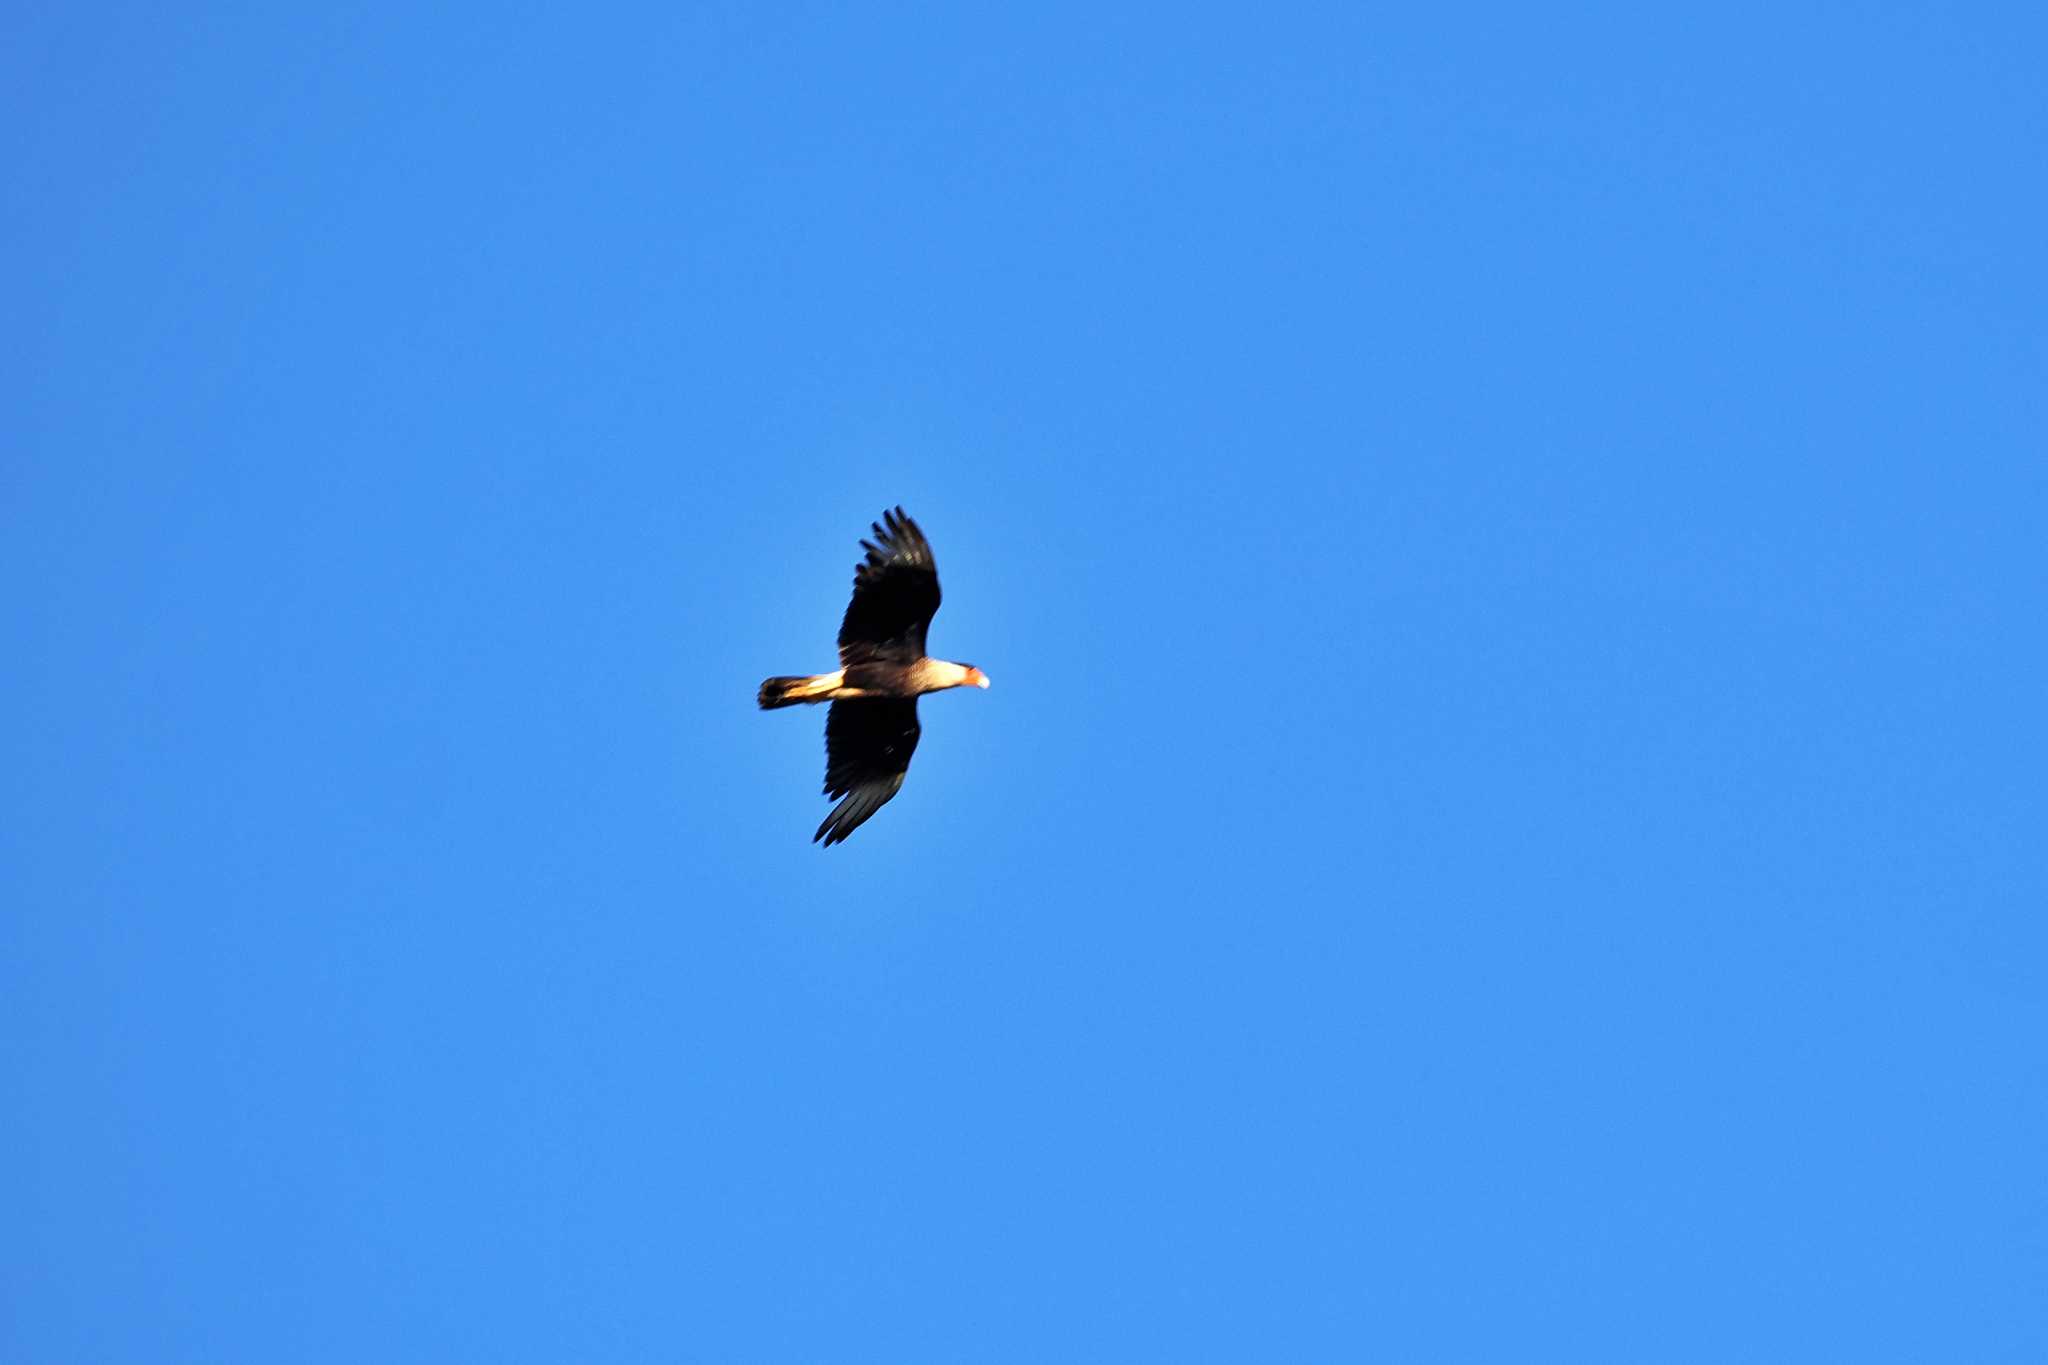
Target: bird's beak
{"points": [[979, 678]]}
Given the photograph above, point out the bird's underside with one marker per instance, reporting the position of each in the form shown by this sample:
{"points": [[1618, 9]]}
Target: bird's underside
{"points": [[868, 682], [872, 730]]}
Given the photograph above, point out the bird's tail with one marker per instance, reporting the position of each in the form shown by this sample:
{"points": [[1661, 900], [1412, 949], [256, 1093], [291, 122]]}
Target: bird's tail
{"points": [[795, 691]]}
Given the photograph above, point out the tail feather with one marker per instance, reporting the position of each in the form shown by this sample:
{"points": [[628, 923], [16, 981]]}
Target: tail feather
{"points": [[777, 692]]}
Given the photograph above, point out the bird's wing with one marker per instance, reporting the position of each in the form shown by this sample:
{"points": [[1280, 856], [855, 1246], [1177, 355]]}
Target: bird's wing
{"points": [[895, 592], [867, 750]]}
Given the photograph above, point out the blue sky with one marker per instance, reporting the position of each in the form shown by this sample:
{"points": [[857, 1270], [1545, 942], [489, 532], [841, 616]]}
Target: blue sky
{"points": [[1508, 821]]}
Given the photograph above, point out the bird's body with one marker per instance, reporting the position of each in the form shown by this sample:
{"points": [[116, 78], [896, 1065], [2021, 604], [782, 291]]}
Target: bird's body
{"points": [[872, 729], [864, 682]]}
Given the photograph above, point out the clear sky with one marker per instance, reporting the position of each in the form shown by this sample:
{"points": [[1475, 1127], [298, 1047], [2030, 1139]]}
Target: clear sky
{"points": [[1509, 821]]}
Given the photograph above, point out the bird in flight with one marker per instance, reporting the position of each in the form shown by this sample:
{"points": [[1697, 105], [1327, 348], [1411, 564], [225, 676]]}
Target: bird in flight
{"points": [[872, 730]]}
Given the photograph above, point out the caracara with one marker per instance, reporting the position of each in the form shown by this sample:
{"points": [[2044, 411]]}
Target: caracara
{"points": [[871, 730]]}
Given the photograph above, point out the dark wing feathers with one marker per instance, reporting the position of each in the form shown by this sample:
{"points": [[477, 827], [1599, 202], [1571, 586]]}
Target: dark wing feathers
{"points": [[867, 750], [895, 592]]}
